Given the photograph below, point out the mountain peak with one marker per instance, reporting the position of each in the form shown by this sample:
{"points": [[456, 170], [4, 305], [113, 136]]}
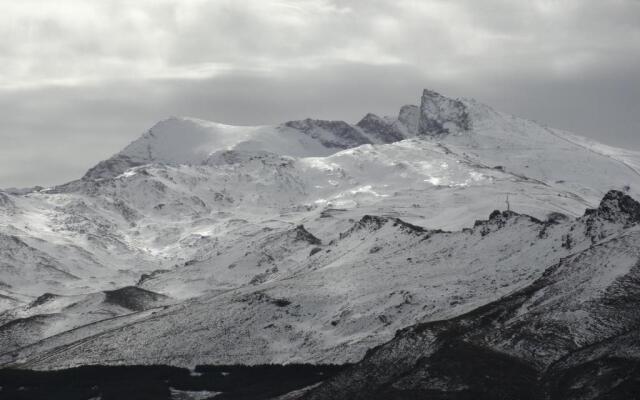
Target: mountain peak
{"points": [[437, 115], [441, 115], [182, 140], [175, 140], [617, 206]]}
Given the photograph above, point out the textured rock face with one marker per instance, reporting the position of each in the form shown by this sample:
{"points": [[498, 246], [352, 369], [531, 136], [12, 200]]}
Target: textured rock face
{"points": [[332, 134], [409, 117], [441, 115], [382, 130], [617, 207]]}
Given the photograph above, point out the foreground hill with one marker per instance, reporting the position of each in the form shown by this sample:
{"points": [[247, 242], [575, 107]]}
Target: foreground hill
{"points": [[571, 334]]}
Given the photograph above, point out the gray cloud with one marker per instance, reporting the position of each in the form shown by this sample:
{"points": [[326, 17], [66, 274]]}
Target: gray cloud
{"points": [[80, 80]]}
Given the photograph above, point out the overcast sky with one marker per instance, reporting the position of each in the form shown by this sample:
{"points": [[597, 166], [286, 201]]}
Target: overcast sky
{"points": [[79, 79]]}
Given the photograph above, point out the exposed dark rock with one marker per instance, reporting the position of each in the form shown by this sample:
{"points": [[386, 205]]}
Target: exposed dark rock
{"points": [[263, 277], [134, 298], [373, 223], [498, 219], [409, 117], [303, 235], [441, 115], [345, 135], [368, 222], [617, 207], [409, 228], [375, 249], [261, 297], [45, 298], [379, 128], [128, 213], [556, 218], [281, 302], [567, 241]]}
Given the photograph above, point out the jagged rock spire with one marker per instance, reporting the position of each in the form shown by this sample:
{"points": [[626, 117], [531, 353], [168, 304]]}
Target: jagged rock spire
{"points": [[617, 207], [441, 115]]}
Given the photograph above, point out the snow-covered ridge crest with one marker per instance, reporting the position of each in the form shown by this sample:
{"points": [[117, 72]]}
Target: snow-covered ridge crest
{"points": [[183, 140], [177, 140]]}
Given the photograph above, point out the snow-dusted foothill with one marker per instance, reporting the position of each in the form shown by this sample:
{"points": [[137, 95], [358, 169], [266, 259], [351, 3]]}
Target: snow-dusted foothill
{"points": [[571, 334]]}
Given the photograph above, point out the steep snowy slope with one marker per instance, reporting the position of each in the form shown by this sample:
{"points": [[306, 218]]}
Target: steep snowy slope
{"points": [[241, 226], [554, 157]]}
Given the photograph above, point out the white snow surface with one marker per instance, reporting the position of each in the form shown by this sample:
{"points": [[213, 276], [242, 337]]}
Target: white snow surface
{"points": [[189, 140]]}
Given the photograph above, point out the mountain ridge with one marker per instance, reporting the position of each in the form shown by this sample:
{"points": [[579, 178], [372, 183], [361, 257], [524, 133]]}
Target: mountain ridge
{"points": [[310, 241], [429, 358], [201, 138]]}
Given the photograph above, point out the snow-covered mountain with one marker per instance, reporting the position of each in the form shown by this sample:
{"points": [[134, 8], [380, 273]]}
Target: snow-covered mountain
{"points": [[310, 241]]}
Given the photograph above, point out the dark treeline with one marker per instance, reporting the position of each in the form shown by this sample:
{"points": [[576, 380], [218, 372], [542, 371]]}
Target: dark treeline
{"points": [[236, 382]]}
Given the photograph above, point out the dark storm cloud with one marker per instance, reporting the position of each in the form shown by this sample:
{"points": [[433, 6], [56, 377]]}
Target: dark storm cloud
{"points": [[80, 79]]}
